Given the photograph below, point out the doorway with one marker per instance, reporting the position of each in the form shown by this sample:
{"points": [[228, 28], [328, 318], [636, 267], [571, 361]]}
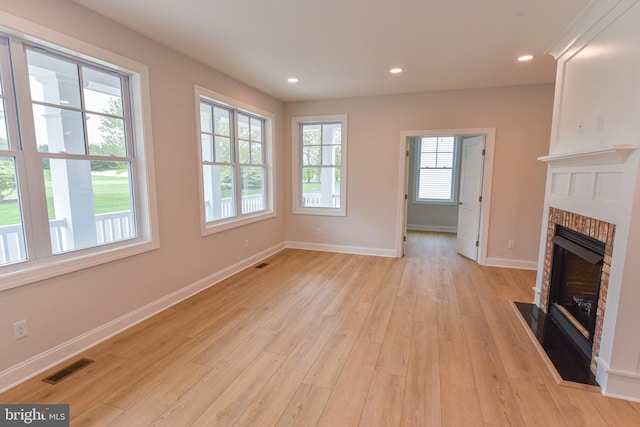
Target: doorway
{"points": [[480, 175]]}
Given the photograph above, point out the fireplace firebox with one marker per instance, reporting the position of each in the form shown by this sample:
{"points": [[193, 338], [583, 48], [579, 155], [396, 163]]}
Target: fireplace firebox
{"points": [[575, 286]]}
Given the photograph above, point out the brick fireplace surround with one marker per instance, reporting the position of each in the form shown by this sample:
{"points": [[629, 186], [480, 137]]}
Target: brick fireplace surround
{"points": [[600, 230]]}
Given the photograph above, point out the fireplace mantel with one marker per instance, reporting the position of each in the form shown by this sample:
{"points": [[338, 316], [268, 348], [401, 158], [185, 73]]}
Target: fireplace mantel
{"points": [[614, 154]]}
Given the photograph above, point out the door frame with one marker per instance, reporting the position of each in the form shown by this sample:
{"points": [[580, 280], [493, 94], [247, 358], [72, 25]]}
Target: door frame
{"points": [[403, 183]]}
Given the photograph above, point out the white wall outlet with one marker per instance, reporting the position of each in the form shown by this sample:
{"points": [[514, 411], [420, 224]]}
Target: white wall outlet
{"points": [[246, 243], [319, 230], [511, 244], [20, 329]]}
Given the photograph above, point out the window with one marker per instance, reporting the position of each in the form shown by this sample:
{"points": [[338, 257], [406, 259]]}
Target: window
{"points": [[74, 190], [235, 163], [435, 180], [319, 165]]}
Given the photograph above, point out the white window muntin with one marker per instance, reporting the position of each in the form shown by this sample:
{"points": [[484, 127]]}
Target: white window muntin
{"points": [[265, 208], [338, 207]]}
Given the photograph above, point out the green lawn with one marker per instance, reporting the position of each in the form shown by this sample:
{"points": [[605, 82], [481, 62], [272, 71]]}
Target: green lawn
{"points": [[110, 194]]}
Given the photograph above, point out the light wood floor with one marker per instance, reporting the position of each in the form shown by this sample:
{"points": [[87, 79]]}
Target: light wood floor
{"points": [[334, 340]]}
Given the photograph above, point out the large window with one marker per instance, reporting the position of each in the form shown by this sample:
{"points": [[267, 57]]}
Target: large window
{"points": [[72, 184], [235, 158], [319, 165], [435, 180]]}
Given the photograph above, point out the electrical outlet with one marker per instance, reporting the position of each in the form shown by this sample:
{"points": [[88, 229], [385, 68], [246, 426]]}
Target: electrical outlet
{"points": [[246, 243], [319, 230], [20, 329], [511, 244]]}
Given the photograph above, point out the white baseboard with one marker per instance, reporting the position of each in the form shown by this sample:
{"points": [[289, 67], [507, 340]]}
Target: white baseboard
{"points": [[511, 263], [437, 228], [618, 384], [355, 250], [43, 361]]}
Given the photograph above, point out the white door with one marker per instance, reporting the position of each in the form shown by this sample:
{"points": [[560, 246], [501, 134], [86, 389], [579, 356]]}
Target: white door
{"points": [[472, 166]]}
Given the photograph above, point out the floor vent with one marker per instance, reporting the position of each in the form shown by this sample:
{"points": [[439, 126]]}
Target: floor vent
{"points": [[65, 372], [262, 265]]}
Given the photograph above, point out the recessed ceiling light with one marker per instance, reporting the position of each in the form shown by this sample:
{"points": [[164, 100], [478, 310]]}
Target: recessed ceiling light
{"points": [[396, 70], [525, 58], [292, 80]]}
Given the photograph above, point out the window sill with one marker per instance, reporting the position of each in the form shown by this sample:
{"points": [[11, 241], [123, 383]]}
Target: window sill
{"points": [[29, 272], [435, 202], [231, 223]]}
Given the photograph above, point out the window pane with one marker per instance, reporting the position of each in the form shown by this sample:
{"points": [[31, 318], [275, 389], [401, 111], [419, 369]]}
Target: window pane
{"points": [[221, 120], [223, 149], [12, 241], [311, 135], [332, 133], [219, 197], [331, 155], [256, 129], [206, 118], [207, 147], [445, 160], [428, 160], [106, 136], [321, 187], [90, 203], [244, 152], [435, 184], [102, 92], [311, 155], [58, 130], [243, 126], [256, 153], [252, 189], [53, 80], [4, 138]]}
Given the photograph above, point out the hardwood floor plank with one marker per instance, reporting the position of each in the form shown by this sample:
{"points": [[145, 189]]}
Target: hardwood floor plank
{"points": [[271, 401], [394, 353], [422, 400], [459, 395], [327, 367], [495, 395], [154, 403], [305, 407], [532, 397], [349, 395], [226, 409], [384, 401], [98, 415]]}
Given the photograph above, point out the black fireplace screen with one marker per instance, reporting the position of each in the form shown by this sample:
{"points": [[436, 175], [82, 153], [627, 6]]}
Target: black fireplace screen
{"points": [[575, 285]]}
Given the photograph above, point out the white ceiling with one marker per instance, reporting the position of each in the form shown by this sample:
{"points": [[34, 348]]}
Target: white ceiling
{"points": [[345, 48]]}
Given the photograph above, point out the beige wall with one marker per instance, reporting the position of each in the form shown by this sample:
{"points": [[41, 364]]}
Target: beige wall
{"points": [[68, 306], [522, 118]]}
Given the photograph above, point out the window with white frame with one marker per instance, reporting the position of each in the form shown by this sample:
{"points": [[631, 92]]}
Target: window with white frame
{"points": [[319, 165], [235, 162], [436, 166], [74, 185]]}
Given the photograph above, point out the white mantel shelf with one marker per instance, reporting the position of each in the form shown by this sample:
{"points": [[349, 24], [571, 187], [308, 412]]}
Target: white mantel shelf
{"points": [[602, 155]]}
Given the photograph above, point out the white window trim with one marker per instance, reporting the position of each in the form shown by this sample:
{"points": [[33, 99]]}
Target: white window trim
{"points": [[148, 235], [207, 228], [296, 167], [454, 179]]}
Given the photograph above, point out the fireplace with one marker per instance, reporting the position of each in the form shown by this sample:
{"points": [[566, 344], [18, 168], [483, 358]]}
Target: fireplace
{"points": [[575, 286], [576, 278]]}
